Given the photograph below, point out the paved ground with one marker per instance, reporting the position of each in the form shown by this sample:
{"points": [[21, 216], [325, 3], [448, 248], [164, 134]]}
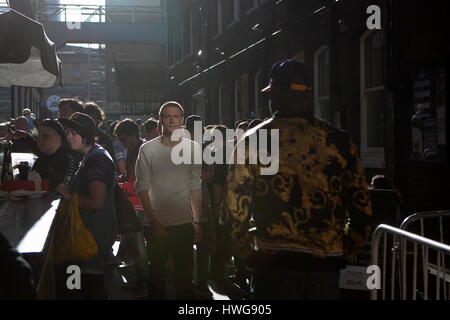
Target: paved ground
{"points": [[119, 280]]}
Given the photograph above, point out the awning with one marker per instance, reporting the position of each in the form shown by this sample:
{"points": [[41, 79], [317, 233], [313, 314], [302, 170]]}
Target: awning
{"points": [[27, 57]]}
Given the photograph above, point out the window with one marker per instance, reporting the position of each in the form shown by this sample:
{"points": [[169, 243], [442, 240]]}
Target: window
{"points": [[220, 103], [259, 85], [196, 30], [237, 99], [189, 33], [176, 41], [76, 71], [373, 99], [198, 103], [230, 12], [216, 17], [248, 6], [241, 92], [428, 114], [322, 108]]}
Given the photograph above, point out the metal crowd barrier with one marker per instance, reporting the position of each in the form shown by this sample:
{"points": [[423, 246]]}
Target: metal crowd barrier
{"points": [[399, 250], [420, 218]]}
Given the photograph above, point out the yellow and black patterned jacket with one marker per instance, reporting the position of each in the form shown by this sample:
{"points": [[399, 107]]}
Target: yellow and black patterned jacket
{"points": [[317, 204]]}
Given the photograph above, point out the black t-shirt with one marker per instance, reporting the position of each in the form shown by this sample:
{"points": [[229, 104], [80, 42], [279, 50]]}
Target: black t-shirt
{"points": [[59, 167]]}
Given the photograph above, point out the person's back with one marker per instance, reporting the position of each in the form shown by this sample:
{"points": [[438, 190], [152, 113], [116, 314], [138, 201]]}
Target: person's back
{"points": [[303, 208], [310, 203]]}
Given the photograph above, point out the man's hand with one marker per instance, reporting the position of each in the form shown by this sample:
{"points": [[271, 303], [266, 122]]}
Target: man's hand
{"points": [[197, 233], [157, 229], [120, 178], [207, 174]]}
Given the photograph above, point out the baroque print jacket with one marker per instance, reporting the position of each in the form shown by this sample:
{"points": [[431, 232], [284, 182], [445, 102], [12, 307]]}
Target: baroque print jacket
{"points": [[317, 203]]}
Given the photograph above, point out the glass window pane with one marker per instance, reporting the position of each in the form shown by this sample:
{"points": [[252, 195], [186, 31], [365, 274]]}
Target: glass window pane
{"points": [[227, 12], [376, 114], [324, 73], [429, 115], [325, 110], [374, 60], [214, 13]]}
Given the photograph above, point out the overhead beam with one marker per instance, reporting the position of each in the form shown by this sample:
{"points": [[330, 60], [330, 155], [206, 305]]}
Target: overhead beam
{"points": [[62, 33]]}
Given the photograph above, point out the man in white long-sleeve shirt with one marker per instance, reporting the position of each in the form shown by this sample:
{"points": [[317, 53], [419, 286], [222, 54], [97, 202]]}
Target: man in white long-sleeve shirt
{"points": [[170, 194]]}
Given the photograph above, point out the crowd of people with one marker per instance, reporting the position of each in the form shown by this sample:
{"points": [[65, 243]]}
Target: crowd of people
{"points": [[281, 236]]}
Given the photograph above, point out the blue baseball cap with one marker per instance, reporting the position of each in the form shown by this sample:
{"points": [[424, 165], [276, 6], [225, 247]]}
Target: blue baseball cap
{"points": [[288, 74]]}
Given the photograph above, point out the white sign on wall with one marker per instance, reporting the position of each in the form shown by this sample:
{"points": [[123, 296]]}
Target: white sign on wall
{"points": [[52, 103]]}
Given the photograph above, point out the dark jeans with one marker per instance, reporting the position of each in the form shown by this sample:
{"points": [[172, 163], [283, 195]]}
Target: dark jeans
{"points": [[133, 245], [178, 244], [221, 256], [205, 248], [290, 284]]}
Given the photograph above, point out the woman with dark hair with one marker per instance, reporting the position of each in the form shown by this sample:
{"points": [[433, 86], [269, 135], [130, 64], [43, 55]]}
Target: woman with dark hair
{"points": [[94, 184]]}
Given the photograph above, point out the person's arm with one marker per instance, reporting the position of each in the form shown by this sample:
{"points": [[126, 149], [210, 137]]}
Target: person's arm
{"points": [[121, 156], [359, 205], [122, 167], [142, 186], [100, 172], [95, 200], [195, 198], [235, 207], [72, 167], [195, 195], [156, 228], [28, 140]]}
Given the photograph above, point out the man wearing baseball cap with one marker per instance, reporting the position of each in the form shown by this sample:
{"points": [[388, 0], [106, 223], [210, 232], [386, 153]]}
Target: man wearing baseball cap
{"points": [[310, 216]]}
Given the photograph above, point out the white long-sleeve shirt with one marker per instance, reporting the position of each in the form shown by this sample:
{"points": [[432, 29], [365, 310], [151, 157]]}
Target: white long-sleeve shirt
{"points": [[168, 183]]}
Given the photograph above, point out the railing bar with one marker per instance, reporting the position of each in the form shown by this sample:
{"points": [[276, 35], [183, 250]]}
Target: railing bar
{"points": [[444, 284], [438, 276], [384, 266], [403, 278], [414, 294], [416, 239], [425, 274], [374, 256], [414, 217], [393, 268]]}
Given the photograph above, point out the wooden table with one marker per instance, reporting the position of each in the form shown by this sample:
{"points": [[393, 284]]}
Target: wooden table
{"points": [[26, 223]]}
